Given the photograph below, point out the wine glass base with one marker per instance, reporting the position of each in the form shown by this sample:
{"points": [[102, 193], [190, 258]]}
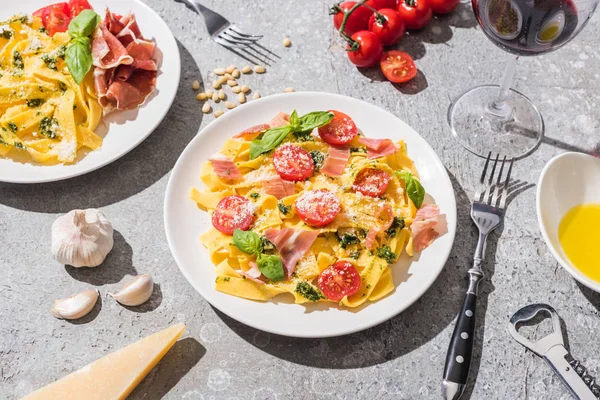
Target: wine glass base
{"points": [[513, 132]]}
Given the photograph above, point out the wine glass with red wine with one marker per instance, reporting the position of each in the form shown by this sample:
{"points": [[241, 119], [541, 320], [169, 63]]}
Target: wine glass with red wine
{"points": [[497, 118]]}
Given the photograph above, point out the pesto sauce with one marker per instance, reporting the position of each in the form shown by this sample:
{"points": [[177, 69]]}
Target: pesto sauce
{"points": [[308, 291], [397, 225], [18, 60], [13, 127], [387, 254], [283, 208], [318, 159], [33, 103], [7, 33]]}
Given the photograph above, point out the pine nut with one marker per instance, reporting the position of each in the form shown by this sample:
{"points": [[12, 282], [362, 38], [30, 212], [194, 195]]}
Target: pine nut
{"points": [[256, 95], [227, 77], [287, 42], [216, 85], [246, 69], [289, 90], [215, 97], [236, 73], [232, 83], [241, 98], [236, 89], [209, 93], [245, 89], [218, 113], [259, 69], [219, 71], [222, 94], [206, 108], [201, 96], [229, 105], [230, 69], [195, 85], [222, 80]]}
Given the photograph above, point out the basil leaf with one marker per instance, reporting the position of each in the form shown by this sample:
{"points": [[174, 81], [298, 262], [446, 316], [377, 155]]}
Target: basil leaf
{"points": [[415, 190], [83, 24], [247, 241], [79, 58], [271, 267], [294, 121], [270, 139], [314, 120]]}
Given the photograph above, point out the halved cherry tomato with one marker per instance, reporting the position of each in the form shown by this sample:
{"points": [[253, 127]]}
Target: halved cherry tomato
{"points": [[398, 66], [379, 4], [44, 12], [317, 207], [293, 163], [339, 280], [443, 6], [390, 29], [415, 13], [371, 182], [57, 21], [77, 6], [233, 212], [369, 49], [357, 21], [340, 131]]}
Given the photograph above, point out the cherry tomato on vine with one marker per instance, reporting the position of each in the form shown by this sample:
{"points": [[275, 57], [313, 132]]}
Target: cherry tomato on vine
{"points": [[397, 66], [415, 13], [368, 51], [357, 21], [379, 4], [443, 6], [388, 26]]}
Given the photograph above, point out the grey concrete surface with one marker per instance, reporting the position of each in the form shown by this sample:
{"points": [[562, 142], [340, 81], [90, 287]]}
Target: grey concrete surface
{"points": [[223, 359]]}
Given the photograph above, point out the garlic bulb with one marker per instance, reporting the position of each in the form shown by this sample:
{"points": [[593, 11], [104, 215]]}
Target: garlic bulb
{"points": [[76, 306], [135, 292], [82, 238]]}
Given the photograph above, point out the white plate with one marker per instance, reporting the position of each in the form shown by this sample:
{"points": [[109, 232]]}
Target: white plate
{"points": [[184, 221], [568, 180], [124, 130]]}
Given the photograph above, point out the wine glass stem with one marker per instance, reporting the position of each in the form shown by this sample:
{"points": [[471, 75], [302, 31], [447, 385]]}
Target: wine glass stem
{"points": [[499, 107]]}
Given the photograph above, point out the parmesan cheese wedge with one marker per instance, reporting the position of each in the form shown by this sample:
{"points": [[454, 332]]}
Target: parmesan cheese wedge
{"points": [[113, 376]]}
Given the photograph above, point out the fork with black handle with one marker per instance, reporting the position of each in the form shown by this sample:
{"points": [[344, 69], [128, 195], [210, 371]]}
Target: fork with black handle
{"points": [[487, 212]]}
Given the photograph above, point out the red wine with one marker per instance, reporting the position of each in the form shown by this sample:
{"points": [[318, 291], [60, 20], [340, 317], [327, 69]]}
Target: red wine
{"points": [[527, 27]]}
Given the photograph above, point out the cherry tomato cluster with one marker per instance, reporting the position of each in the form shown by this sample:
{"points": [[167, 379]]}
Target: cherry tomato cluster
{"points": [[369, 25]]}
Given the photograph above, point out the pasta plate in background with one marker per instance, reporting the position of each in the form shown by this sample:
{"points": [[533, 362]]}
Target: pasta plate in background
{"points": [[111, 75]]}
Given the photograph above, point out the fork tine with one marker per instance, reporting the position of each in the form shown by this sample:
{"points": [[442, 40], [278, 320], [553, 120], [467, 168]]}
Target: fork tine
{"points": [[239, 32], [481, 187], [223, 41], [227, 35], [490, 185], [230, 32], [505, 186], [499, 186]]}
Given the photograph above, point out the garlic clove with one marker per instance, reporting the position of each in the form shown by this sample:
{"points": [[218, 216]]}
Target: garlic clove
{"points": [[135, 292], [82, 238], [76, 306]]}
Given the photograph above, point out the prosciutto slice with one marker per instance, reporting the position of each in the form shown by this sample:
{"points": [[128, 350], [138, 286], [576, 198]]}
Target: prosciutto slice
{"points": [[374, 231], [224, 167], [336, 161], [278, 187], [428, 225], [378, 147], [252, 133], [279, 120], [125, 65], [292, 245]]}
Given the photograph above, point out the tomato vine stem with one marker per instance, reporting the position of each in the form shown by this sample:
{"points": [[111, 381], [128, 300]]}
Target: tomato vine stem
{"points": [[353, 44]]}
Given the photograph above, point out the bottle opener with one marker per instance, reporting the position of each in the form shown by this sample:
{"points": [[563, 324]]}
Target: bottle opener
{"points": [[552, 349]]}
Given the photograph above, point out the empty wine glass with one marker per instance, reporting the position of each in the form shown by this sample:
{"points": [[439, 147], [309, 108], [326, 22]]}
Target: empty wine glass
{"points": [[497, 118]]}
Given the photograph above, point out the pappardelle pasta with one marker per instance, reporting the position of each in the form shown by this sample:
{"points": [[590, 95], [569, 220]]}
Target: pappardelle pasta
{"points": [[307, 205], [42, 110]]}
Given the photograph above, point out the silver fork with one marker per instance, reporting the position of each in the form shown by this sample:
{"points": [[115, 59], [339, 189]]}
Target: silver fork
{"points": [[220, 29], [487, 212]]}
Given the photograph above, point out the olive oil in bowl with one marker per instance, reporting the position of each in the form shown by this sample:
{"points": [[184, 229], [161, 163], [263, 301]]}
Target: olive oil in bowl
{"points": [[579, 236]]}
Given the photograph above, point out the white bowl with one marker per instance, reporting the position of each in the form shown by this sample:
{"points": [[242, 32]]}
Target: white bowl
{"points": [[567, 180]]}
